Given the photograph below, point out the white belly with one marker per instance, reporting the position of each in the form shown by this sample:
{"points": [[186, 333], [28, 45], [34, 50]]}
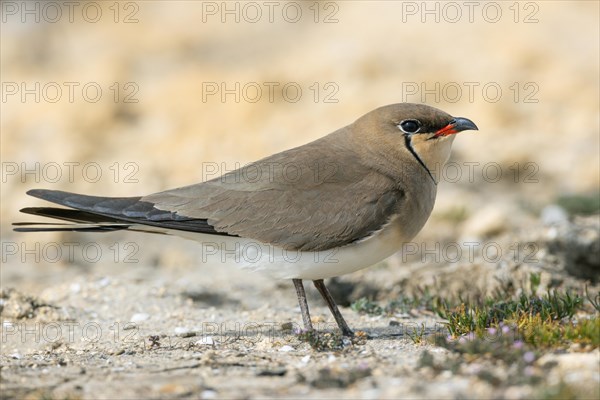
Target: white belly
{"points": [[291, 264]]}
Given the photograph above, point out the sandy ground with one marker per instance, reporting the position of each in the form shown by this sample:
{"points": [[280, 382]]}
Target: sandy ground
{"points": [[148, 329], [128, 315]]}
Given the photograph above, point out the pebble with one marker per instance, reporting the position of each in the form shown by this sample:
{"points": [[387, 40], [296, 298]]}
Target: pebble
{"points": [[553, 215], [490, 220], [206, 340], [103, 282], [286, 348], [139, 317], [208, 394], [181, 330]]}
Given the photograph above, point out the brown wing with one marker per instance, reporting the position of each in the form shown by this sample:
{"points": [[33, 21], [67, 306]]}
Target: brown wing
{"points": [[306, 198]]}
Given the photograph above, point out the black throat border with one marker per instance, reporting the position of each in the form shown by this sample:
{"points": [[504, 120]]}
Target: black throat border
{"points": [[410, 148]]}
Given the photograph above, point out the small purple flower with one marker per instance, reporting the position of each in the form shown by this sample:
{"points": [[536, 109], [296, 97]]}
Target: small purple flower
{"points": [[492, 331], [529, 357], [467, 337], [505, 329], [518, 344]]}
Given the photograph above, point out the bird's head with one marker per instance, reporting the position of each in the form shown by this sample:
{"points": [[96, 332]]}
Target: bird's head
{"points": [[419, 131]]}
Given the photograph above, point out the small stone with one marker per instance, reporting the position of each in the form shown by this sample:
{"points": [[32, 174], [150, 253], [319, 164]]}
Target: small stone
{"points": [[287, 326], [208, 394], [139, 317], [272, 372], [575, 347], [488, 221], [554, 215], [183, 331], [577, 244], [103, 282], [206, 340], [286, 348]]}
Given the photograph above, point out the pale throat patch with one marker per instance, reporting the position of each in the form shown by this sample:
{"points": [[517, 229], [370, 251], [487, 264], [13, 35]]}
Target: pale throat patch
{"points": [[435, 153]]}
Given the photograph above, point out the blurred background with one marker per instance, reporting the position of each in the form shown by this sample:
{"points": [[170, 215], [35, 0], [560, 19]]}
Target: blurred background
{"points": [[129, 98]]}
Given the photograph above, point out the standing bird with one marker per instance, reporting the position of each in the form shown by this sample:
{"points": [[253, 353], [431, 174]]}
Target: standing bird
{"points": [[327, 208]]}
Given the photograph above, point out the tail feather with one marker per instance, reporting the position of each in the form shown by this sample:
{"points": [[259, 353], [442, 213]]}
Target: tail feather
{"points": [[66, 214], [69, 228], [101, 214], [83, 221], [94, 204]]}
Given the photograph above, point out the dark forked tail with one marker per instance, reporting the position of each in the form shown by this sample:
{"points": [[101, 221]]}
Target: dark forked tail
{"points": [[102, 214]]}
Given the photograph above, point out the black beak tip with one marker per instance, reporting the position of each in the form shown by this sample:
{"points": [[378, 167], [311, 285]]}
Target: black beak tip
{"points": [[464, 124]]}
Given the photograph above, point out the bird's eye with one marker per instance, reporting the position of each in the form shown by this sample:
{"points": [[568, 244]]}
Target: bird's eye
{"points": [[410, 126]]}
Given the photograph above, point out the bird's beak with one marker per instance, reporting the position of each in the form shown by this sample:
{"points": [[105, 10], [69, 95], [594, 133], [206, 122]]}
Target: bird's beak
{"points": [[457, 125]]}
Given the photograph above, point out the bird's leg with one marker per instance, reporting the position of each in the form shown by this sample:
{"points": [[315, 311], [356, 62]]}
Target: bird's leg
{"points": [[320, 285], [303, 304]]}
